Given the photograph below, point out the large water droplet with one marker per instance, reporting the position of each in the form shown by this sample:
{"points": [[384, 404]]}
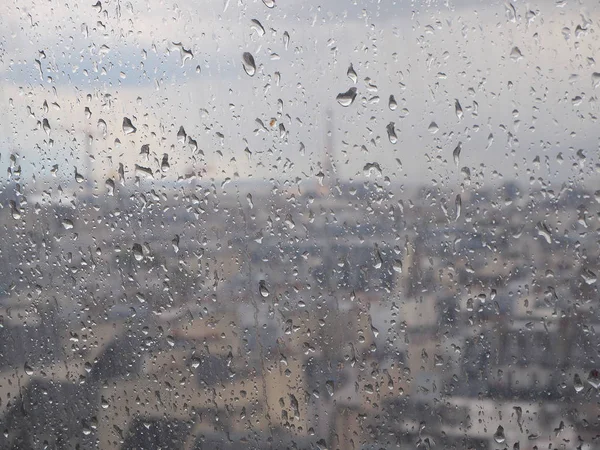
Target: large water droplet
{"points": [[544, 231], [391, 132], [458, 109], [286, 39], [577, 383], [499, 435], [249, 64], [397, 266], [347, 98], [164, 166], [269, 3], [138, 252], [458, 206], [257, 26], [46, 126], [392, 103], [128, 127], [456, 154]]}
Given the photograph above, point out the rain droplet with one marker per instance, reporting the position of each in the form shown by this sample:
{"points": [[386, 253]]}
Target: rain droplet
{"points": [[352, 74], [594, 378], [78, 177], [181, 135], [456, 154], [269, 3], [392, 103], [128, 127], [138, 252], [257, 26], [67, 224], [577, 383], [164, 166], [397, 266], [262, 288], [544, 231], [102, 126], [458, 109], [433, 128], [330, 387], [46, 126], [499, 435], [391, 132], [110, 186], [249, 64], [458, 205], [588, 276], [515, 54], [286, 39], [347, 98], [28, 369]]}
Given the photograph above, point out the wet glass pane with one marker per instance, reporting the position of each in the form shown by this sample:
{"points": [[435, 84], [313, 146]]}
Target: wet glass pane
{"points": [[285, 224]]}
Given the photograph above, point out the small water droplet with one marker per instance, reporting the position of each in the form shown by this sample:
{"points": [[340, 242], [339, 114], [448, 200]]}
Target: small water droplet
{"points": [[433, 128], [329, 384], [352, 74], [515, 54], [164, 166], [347, 98], [249, 64], [392, 103], [269, 3], [28, 369], [181, 135], [262, 288], [596, 79], [594, 378]]}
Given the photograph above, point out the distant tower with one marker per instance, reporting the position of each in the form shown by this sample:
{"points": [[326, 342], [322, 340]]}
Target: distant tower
{"points": [[86, 163], [328, 153]]}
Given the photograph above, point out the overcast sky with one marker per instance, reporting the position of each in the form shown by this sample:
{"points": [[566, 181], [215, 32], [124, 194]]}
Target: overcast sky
{"points": [[522, 73]]}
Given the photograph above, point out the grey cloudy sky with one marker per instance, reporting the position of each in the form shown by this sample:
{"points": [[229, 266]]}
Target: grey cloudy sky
{"points": [[537, 103]]}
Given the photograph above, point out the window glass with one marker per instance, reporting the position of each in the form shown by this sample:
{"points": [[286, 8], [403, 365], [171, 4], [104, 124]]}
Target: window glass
{"points": [[285, 224]]}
